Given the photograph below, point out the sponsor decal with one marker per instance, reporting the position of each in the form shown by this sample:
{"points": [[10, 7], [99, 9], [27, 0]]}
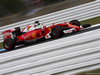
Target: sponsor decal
{"points": [[49, 29], [33, 35], [69, 31], [28, 28], [47, 36], [29, 37], [25, 37]]}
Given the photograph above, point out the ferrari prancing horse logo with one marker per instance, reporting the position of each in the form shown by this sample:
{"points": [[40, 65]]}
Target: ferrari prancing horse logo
{"points": [[29, 37]]}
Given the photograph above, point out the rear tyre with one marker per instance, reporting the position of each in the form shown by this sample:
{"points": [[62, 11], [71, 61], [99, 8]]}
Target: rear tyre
{"points": [[75, 22], [9, 44], [56, 31]]}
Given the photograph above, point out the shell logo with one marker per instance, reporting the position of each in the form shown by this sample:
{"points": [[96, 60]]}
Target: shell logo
{"points": [[33, 35]]}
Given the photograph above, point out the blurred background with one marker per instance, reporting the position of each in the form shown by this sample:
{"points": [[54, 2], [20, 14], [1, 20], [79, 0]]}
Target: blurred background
{"points": [[12, 11]]}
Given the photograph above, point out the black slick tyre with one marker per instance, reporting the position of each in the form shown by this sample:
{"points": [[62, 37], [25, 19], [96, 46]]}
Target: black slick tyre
{"points": [[56, 32], [9, 44], [75, 22], [86, 25]]}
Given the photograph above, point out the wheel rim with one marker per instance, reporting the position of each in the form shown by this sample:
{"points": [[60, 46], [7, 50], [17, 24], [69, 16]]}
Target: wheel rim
{"points": [[55, 33], [73, 23], [7, 44]]}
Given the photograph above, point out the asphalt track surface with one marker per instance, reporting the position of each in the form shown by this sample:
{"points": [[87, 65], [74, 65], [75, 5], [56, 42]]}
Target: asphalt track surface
{"points": [[66, 35]]}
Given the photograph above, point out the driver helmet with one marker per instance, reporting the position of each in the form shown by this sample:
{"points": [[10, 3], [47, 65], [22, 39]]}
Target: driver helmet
{"points": [[37, 23]]}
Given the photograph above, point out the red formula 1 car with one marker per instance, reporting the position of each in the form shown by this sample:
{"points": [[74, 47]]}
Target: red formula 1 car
{"points": [[36, 31]]}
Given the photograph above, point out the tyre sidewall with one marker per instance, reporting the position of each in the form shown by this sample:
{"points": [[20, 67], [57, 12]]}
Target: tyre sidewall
{"points": [[75, 22], [11, 43], [57, 30]]}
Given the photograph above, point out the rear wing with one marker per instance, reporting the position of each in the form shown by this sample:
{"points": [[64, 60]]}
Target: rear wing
{"points": [[7, 34]]}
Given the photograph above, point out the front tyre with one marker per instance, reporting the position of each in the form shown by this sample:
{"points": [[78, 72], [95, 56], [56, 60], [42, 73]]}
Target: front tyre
{"points": [[86, 25], [9, 44], [75, 22]]}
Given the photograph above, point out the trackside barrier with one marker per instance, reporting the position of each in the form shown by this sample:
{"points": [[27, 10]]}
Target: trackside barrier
{"points": [[85, 69], [81, 12], [53, 57], [70, 67]]}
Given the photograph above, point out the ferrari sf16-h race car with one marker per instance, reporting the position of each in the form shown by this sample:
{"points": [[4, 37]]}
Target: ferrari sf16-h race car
{"points": [[36, 31]]}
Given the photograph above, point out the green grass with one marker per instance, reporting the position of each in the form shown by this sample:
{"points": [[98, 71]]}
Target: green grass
{"points": [[1, 45], [93, 72], [92, 21]]}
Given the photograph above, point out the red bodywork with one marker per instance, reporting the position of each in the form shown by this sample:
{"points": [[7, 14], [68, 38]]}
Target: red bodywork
{"points": [[36, 34]]}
